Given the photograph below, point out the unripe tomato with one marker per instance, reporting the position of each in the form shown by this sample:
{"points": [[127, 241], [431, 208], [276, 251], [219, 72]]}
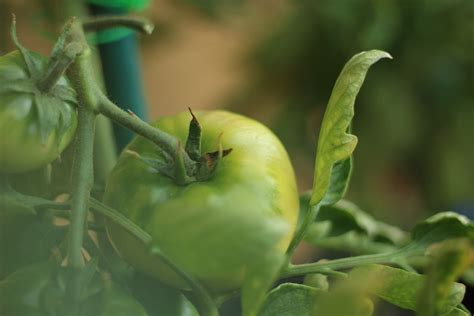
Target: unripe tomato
{"points": [[22, 148], [215, 229]]}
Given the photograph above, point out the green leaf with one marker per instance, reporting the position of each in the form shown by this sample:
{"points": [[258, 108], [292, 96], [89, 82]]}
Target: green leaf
{"points": [[290, 299], [335, 145], [53, 116], [317, 280], [400, 287], [60, 43], [343, 302], [193, 142], [258, 281], [438, 228], [352, 242], [345, 227], [339, 181], [110, 301], [450, 260]]}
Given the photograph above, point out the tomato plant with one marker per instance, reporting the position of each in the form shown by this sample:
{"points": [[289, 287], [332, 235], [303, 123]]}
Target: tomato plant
{"points": [[206, 203]]}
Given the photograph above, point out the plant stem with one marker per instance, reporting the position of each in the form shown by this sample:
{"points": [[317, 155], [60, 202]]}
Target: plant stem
{"points": [[139, 24], [300, 234], [82, 181], [163, 140], [344, 263], [82, 175], [204, 301], [55, 72]]}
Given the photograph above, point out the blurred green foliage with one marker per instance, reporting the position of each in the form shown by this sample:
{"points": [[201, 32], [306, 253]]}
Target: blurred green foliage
{"points": [[414, 115]]}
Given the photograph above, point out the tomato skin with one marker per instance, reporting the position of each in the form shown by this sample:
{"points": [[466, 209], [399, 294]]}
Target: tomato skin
{"points": [[210, 229], [23, 150]]}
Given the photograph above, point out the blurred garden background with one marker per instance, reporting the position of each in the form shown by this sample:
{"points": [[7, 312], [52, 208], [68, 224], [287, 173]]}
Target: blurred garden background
{"points": [[277, 60]]}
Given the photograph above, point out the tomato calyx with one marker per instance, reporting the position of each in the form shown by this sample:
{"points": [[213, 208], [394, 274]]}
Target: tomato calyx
{"points": [[48, 91], [202, 165]]}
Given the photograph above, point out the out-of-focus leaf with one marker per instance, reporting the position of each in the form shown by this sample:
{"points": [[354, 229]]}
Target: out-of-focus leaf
{"points": [[352, 242], [402, 288], [345, 227], [440, 227], [290, 299], [335, 145], [450, 260], [317, 280]]}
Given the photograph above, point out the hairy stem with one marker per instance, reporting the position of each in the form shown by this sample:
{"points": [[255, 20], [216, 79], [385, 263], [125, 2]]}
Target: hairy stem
{"points": [[139, 24], [163, 140], [82, 180], [55, 72]]}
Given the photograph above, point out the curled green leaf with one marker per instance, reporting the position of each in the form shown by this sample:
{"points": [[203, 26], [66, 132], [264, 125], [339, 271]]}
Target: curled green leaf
{"points": [[440, 227], [335, 144]]}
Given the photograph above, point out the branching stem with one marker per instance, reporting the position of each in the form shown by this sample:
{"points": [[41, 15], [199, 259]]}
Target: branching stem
{"points": [[163, 140], [344, 263], [139, 24], [55, 72]]}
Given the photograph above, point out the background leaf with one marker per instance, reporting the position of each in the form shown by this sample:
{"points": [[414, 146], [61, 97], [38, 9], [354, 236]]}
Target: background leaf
{"points": [[290, 299], [345, 227], [438, 228], [450, 260], [400, 287]]}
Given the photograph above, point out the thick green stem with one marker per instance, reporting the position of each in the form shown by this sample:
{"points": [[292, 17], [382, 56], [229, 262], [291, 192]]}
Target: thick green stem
{"points": [[82, 176], [55, 72], [344, 263], [82, 181], [139, 24]]}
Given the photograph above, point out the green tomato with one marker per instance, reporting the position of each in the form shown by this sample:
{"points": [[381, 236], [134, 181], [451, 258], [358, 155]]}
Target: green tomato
{"points": [[36, 126], [217, 229]]}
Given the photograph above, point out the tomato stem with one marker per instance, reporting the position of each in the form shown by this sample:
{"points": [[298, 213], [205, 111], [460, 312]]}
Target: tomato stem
{"points": [[81, 182], [344, 263], [137, 23], [54, 73]]}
